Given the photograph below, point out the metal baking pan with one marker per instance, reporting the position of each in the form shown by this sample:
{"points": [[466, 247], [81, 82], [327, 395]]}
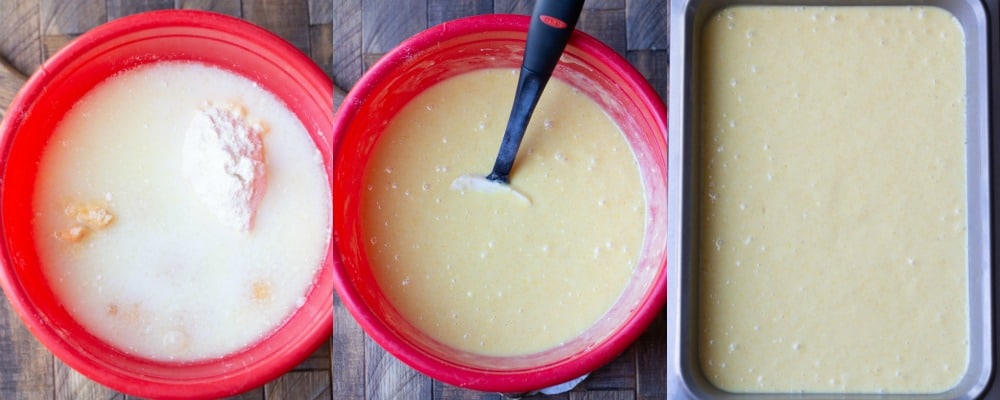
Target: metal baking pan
{"points": [[979, 21]]}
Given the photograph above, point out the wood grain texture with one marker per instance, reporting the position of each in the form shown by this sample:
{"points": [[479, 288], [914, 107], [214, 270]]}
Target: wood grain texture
{"points": [[649, 63], [347, 63], [25, 366], [648, 24], [60, 17], [20, 43], [605, 4], [347, 359], [320, 12], [321, 47], [253, 394], [52, 43], [321, 34], [439, 11], [121, 8], [386, 23], [651, 359], [603, 395], [607, 25], [286, 18], [228, 7], [443, 391], [523, 7], [31, 31], [70, 384], [304, 385], [338, 97], [11, 81], [618, 374], [389, 378]]}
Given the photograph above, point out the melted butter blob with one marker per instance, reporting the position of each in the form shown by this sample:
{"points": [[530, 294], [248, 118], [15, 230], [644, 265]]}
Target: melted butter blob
{"points": [[490, 273]]}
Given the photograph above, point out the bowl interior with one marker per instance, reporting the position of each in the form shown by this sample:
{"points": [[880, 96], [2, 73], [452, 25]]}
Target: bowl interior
{"points": [[450, 50], [216, 40]]}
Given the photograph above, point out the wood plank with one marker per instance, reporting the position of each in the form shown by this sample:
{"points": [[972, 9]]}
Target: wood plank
{"points": [[252, 394], [62, 21], [11, 81], [648, 23], [347, 353], [607, 25], [321, 47], [121, 8], [389, 378], [439, 11], [386, 23], [19, 43], [70, 384], [300, 385], [604, 4], [370, 59], [320, 12], [229, 7], [617, 374], [523, 7], [286, 18], [319, 360], [654, 65], [25, 366], [347, 62], [338, 97], [603, 395], [60, 17], [52, 43], [651, 361], [444, 391]]}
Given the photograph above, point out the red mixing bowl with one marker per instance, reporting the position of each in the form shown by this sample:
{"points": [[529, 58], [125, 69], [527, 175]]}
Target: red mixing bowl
{"points": [[214, 39], [449, 49]]}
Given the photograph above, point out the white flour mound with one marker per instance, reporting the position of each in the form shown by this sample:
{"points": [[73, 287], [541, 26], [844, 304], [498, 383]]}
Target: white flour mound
{"points": [[223, 157]]}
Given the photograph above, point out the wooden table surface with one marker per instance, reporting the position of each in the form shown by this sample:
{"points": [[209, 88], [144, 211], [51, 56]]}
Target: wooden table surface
{"points": [[344, 37]]}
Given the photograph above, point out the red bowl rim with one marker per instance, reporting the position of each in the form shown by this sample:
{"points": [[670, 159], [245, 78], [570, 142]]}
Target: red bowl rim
{"points": [[504, 381], [250, 375]]}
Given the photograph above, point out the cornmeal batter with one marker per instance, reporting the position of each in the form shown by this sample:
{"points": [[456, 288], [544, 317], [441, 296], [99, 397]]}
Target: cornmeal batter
{"points": [[491, 273], [833, 222]]}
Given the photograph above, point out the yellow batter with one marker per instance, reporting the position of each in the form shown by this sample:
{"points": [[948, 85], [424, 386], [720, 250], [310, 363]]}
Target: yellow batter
{"points": [[833, 222], [490, 273]]}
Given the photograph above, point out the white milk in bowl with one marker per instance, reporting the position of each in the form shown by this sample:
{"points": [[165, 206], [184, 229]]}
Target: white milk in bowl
{"points": [[182, 212]]}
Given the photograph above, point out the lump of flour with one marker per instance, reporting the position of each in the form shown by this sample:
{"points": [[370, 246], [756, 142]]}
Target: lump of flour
{"points": [[223, 157]]}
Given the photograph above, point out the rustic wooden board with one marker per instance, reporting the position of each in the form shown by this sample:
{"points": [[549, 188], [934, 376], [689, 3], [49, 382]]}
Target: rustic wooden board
{"points": [[232, 8], [347, 64], [20, 39], [10, 82], [30, 32], [363, 31]]}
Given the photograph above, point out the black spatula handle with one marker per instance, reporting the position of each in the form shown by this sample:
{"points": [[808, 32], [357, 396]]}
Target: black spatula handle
{"points": [[552, 23]]}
